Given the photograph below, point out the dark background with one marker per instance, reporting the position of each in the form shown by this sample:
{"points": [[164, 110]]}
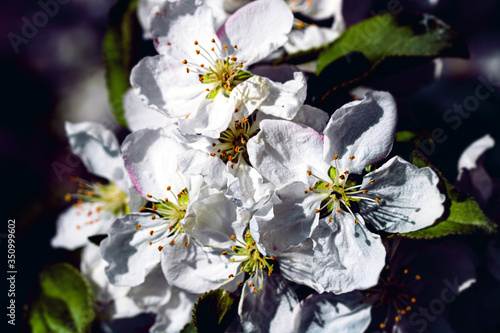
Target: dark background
{"points": [[58, 75]]}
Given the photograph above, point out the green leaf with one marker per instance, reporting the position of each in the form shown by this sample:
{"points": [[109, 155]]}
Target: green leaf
{"points": [[64, 302], [121, 52], [462, 216], [214, 311], [386, 44], [189, 328]]}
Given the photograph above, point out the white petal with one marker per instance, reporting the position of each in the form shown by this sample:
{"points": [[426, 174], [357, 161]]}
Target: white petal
{"points": [[146, 10], [269, 310], [210, 119], [151, 160], [163, 84], [246, 187], [198, 269], [79, 222], [296, 264], [283, 151], [258, 29], [364, 129], [250, 95], [174, 315], [309, 38], [213, 220], [410, 199], [127, 251], [181, 23], [347, 256], [285, 99], [292, 219], [322, 9], [471, 155], [139, 116], [211, 168], [332, 313], [312, 117], [99, 150]]}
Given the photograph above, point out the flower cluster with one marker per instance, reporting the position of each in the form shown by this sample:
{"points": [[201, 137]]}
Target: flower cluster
{"points": [[229, 181]]}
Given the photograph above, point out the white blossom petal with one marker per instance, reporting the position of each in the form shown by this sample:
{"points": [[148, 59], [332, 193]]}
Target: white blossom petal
{"points": [[127, 251], [195, 162], [99, 150], [285, 99], [410, 199], [309, 38], [269, 22], [269, 310], [296, 264], [364, 129], [332, 313], [79, 222], [346, 255], [312, 117], [151, 160], [199, 269], [139, 116], [213, 220], [292, 219], [283, 151]]}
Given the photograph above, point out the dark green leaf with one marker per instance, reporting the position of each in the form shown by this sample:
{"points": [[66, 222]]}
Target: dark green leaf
{"points": [[462, 216], [121, 49], [214, 311], [64, 301], [189, 328], [405, 136], [386, 44]]}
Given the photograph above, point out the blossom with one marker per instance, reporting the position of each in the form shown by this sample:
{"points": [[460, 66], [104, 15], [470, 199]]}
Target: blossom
{"points": [[201, 76], [319, 197], [97, 204]]}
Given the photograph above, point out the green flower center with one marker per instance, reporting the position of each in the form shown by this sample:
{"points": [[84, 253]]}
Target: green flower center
{"points": [[109, 196], [221, 72], [252, 261], [232, 143], [341, 193], [170, 213]]}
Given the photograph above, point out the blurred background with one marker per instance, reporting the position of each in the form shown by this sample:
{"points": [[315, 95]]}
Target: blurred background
{"points": [[53, 72]]}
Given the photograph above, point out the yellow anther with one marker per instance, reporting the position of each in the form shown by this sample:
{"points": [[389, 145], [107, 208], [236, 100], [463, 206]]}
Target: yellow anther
{"points": [[397, 319], [377, 200], [382, 325], [251, 285], [160, 248], [153, 217], [197, 51], [356, 221], [195, 42], [150, 243], [240, 284], [352, 157], [213, 40], [417, 277], [186, 243], [405, 271], [247, 236], [169, 188], [232, 237], [224, 253], [372, 181], [330, 220], [138, 226], [154, 208], [316, 211], [309, 172], [255, 289], [414, 300], [230, 276], [184, 61], [365, 191], [172, 241], [151, 232], [339, 211], [225, 47]]}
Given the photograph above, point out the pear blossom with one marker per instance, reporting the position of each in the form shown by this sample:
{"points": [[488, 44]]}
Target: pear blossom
{"points": [[221, 227], [201, 75], [319, 197], [97, 204]]}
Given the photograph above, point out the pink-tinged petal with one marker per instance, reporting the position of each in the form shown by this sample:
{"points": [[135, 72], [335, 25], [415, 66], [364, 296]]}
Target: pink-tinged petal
{"points": [[151, 160], [258, 29], [364, 129]]}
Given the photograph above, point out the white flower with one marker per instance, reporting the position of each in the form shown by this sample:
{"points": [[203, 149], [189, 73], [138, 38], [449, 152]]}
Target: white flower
{"points": [[320, 199], [97, 204], [217, 81]]}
